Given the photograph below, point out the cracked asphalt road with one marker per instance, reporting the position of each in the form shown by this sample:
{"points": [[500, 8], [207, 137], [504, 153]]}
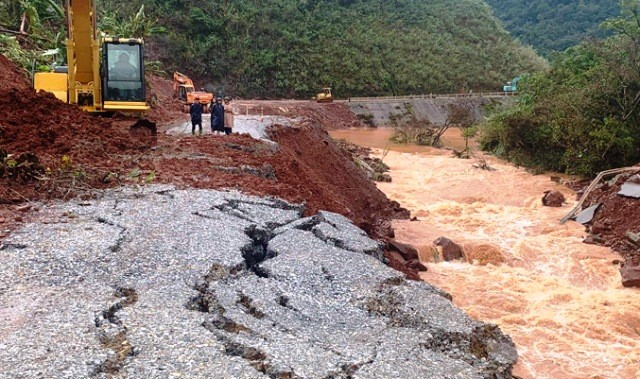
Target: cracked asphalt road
{"points": [[154, 282]]}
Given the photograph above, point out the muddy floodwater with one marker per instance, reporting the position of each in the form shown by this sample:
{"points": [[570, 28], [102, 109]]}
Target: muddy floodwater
{"points": [[559, 299]]}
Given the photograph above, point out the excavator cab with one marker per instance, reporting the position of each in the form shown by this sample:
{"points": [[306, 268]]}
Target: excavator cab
{"points": [[183, 92], [123, 75]]}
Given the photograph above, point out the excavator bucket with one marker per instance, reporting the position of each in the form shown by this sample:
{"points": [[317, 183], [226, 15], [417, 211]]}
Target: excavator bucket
{"points": [[144, 128]]}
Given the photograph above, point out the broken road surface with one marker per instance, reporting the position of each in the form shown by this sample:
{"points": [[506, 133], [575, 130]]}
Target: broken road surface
{"points": [[156, 282]]}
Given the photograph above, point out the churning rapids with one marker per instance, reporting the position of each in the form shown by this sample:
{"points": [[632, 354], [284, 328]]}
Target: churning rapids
{"points": [[559, 299]]}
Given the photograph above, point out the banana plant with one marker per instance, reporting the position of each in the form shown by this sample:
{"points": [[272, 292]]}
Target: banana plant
{"points": [[137, 25], [36, 11]]}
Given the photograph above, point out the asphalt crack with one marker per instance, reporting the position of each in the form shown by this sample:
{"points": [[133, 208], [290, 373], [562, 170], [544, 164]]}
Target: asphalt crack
{"points": [[257, 251], [112, 334], [122, 236]]}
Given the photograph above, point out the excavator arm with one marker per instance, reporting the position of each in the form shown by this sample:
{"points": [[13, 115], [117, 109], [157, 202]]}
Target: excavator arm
{"points": [[83, 55]]}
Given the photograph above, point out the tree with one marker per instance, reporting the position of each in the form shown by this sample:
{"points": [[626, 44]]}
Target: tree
{"points": [[582, 116]]}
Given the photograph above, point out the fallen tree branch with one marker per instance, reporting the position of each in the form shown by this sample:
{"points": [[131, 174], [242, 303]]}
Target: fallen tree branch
{"points": [[19, 194], [3, 30]]}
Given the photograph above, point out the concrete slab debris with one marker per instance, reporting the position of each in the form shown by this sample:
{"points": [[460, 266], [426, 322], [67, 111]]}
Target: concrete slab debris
{"points": [[587, 215], [630, 189]]}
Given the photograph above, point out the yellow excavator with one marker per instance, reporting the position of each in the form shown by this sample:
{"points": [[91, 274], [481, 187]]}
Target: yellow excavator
{"points": [[102, 75], [324, 96]]}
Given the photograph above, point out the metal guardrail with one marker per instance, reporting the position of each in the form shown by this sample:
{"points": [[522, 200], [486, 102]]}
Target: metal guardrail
{"points": [[432, 96]]}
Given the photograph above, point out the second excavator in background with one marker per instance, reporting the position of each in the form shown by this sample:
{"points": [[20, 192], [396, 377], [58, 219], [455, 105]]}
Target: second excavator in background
{"points": [[325, 96], [184, 90]]}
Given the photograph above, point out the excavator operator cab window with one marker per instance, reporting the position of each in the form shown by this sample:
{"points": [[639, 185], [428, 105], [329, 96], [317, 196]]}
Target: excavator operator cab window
{"points": [[183, 91], [124, 79]]}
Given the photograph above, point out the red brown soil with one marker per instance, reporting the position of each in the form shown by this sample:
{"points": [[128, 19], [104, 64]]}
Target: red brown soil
{"points": [[10, 76], [80, 153], [165, 108], [616, 216]]}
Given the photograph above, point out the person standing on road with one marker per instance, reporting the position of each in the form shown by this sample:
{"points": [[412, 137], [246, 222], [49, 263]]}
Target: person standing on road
{"points": [[195, 110], [229, 116], [217, 117]]}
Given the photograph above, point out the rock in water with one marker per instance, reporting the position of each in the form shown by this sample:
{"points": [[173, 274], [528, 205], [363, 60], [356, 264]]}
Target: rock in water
{"points": [[630, 272], [407, 251], [553, 199], [416, 265], [449, 249]]}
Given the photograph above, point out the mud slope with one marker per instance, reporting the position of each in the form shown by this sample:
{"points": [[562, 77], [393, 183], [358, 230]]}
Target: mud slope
{"points": [[11, 77], [54, 150], [320, 168]]}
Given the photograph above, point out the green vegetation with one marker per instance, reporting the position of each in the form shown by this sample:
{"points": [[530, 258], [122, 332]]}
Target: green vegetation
{"points": [[291, 48], [582, 116], [36, 27], [409, 129], [554, 26]]}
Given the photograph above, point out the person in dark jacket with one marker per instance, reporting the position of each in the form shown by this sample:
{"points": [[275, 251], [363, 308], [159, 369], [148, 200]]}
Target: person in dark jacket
{"points": [[217, 117], [195, 110]]}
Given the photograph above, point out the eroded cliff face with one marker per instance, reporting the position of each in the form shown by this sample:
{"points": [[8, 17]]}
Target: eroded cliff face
{"points": [[159, 282]]}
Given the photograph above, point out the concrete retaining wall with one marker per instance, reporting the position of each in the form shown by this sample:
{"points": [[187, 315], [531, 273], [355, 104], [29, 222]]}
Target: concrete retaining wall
{"points": [[384, 112]]}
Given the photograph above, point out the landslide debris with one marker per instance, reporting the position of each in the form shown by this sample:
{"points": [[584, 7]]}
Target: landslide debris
{"points": [[11, 77], [79, 155], [373, 167], [71, 145], [617, 221]]}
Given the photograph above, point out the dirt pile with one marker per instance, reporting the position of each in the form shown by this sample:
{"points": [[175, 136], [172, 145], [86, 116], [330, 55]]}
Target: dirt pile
{"points": [[616, 217], [69, 144], [11, 77], [165, 108]]}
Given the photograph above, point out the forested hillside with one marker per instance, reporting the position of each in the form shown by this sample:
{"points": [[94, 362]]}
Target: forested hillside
{"points": [[583, 115], [290, 48], [554, 25]]}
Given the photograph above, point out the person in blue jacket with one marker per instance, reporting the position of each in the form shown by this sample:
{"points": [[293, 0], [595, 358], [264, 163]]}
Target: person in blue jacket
{"points": [[195, 110], [217, 117]]}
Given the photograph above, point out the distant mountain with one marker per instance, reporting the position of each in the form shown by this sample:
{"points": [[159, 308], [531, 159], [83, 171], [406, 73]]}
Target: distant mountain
{"points": [[554, 25]]}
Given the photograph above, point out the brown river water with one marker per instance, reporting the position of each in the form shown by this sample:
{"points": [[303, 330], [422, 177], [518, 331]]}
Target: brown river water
{"points": [[559, 299]]}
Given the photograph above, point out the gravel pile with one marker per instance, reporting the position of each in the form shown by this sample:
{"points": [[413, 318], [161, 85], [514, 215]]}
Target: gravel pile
{"points": [[164, 283]]}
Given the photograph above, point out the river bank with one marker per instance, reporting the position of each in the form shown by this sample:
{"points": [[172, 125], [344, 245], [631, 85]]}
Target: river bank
{"points": [[560, 299]]}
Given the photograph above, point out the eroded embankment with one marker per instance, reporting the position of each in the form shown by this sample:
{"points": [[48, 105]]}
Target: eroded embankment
{"points": [[51, 150], [154, 281]]}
